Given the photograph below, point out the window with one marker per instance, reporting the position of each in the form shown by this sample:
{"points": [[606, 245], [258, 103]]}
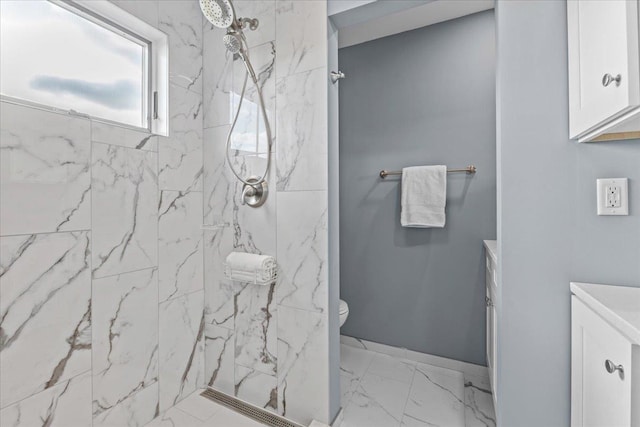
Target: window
{"points": [[87, 56]]}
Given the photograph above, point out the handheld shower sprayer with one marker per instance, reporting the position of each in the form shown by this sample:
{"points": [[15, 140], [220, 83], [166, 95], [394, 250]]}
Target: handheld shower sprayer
{"points": [[222, 15]]}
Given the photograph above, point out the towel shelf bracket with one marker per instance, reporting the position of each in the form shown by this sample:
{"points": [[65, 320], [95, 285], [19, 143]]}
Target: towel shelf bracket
{"points": [[469, 170]]}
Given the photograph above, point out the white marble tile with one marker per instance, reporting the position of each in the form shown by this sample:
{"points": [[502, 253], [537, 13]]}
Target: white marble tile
{"points": [[354, 361], [219, 358], [124, 210], [256, 328], [220, 294], [302, 341], [176, 418], [302, 250], [256, 388], [180, 154], [44, 171], [377, 348], [181, 348], [147, 10], [478, 402], [348, 385], [409, 421], [198, 406], [392, 367], [227, 417], [301, 36], [63, 405], [124, 339], [45, 311], [182, 22], [249, 135], [217, 79], [180, 243], [376, 402], [301, 126], [265, 12], [219, 184], [136, 410], [437, 397], [124, 137]]}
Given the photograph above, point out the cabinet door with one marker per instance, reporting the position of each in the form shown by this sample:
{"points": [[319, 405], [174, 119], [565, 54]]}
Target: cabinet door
{"points": [[599, 398], [603, 39]]}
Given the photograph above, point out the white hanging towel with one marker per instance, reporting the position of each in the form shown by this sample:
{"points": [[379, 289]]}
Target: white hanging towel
{"points": [[424, 196]]}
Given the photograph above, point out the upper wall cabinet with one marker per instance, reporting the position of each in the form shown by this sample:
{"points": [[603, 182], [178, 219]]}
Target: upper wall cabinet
{"points": [[604, 70]]}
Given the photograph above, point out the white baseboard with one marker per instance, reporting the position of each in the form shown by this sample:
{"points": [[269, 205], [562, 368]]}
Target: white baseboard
{"points": [[468, 369]]}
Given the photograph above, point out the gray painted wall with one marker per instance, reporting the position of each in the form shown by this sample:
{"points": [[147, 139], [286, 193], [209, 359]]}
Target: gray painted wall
{"points": [[548, 229], [422, 97]]}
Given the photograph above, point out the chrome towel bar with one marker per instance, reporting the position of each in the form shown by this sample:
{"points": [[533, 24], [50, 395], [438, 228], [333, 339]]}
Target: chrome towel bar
{"points": [[468, 169]]}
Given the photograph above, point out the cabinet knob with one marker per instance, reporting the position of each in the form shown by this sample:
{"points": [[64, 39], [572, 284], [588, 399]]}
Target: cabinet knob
{"points": [[607, 79], [612, 367]]}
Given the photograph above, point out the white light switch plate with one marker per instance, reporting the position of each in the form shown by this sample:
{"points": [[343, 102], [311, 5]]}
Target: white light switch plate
{"points": [[613, 196]]}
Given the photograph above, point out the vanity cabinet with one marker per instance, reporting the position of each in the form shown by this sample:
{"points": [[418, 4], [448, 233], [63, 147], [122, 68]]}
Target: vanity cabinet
{"points": [[491, 314], [604, 370], [604, 70]]}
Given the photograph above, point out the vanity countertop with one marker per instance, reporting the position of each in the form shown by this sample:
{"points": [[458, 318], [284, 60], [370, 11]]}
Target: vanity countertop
{"points": [[492, 249], [618, 305]]}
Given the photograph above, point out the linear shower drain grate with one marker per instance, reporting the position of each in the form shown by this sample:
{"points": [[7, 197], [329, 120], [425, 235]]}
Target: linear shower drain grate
{"points": [[258, 414]]}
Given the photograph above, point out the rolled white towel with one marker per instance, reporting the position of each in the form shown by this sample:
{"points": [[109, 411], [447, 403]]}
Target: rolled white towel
{"points": [[251, 268]]}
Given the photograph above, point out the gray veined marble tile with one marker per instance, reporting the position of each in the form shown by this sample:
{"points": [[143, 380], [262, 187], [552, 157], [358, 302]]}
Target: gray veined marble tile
{"points": [[124, 137], [478, 402], [301, 36], [180, 243], [265, 12], [437, 397], [180, 154], [354, 361], [124, 210], [136, 410], [125, 339], [219, 183], [302, 250], [218, 78], [377, 402], [182, 21], [219, 358], [392, 367], [65, 404], [181, 348], [45, 180], [301, 125], [303, 369], [176, 418], [256, 328], [39, 274], [256, 388], [220, 294]]}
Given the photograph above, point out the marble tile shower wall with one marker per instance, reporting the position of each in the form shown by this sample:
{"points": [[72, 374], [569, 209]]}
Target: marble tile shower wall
{"points": [[269, 345], [101, 254]]}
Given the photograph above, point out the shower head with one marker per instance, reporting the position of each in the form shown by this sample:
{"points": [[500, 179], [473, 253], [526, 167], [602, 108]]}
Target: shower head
{"points": [[219, 12], [232, 42]]}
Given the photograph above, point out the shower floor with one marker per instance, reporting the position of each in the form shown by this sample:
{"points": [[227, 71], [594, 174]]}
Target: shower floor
{"points": [[377, 390]]}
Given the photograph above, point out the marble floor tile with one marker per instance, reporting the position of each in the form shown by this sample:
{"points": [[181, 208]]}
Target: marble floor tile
{"points": [[391, 367], [63, 405], [348, 385], [125, 337], [256, 388], [181, 348], [135, 410], [174, 417], [436, 397], [355, 361], [227, 417], [377, 402], [198, 406], [478, 402], [180, 241], [40, 274], [45, 180]]}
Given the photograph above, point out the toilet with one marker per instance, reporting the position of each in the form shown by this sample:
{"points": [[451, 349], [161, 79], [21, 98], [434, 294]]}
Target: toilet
{"points": [[344, 312]]}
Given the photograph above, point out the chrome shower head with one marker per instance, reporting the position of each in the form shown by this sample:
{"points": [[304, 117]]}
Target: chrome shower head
{"points": [[232, 42], [219, 12]]}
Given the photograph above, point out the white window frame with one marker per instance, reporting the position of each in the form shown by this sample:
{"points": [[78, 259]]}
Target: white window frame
{"points": [[108, 15]]}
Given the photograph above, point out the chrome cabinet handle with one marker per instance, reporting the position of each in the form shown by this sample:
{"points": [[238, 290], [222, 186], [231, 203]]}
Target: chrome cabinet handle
{"points": [[607, 79], [612, 367]]}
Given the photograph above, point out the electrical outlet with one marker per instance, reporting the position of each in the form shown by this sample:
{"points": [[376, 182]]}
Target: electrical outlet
{"points": [[613, 196]]}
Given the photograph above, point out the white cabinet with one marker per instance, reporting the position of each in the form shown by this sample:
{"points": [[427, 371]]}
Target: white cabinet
{"points": [[604, 70], [605, 368], [491, 316]]}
